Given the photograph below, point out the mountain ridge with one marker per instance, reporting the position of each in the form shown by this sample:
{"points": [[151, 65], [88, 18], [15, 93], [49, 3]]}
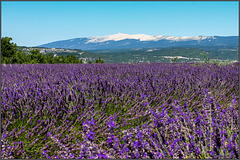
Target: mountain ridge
{"points": [[121, 41]]}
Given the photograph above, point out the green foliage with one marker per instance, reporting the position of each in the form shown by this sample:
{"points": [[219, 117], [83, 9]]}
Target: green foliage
{"points": [[10, 55], [99, 60], [49, 58], [8, 50], [174, 59], [214, 62], [37, 56], [206, 58], [72, 59]]}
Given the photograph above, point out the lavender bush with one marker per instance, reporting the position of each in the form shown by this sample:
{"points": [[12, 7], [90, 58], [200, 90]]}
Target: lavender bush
{"points": [[120, 111]]}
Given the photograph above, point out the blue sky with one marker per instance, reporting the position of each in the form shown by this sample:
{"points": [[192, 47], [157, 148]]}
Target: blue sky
{"points": [[36, 23]]}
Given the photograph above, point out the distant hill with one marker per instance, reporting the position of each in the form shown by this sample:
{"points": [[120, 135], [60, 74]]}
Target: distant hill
{"points": [[124, 41], [184, 54], [156, 54]]}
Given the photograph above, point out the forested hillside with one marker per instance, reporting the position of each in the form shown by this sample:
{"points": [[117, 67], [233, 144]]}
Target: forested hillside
{"points": [[12, 54]]}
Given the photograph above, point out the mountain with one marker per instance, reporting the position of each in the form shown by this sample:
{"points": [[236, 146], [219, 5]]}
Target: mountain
{"points": [[123, 41]]}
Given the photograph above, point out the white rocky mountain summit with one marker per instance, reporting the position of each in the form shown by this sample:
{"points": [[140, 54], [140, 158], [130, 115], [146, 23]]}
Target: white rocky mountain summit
{"points": [[141, 37]]}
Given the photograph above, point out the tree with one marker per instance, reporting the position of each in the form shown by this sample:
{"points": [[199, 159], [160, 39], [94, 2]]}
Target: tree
{"points": [[80, 61], [8, 49], [174, 59], [214, 62], [37, 56], [49, 58], [61, 59], [99, 60], [206, 58], [56, 59], [19, 57], [71, 59]]}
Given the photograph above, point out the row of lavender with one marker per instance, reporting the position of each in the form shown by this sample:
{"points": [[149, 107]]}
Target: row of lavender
{"points": [[120, 111]]}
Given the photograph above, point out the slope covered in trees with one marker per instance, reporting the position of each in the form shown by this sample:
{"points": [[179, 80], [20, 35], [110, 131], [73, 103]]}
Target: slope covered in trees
{"points": [[11, 55]]}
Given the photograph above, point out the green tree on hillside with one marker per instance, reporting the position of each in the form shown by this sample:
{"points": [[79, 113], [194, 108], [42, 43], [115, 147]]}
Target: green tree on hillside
{"points": [[61, 59], [56, 59], [49, 58], [36, 56], [19, 57], [99, 60], [71, 59], [8, 49], [80, 61], [174, 59], [205, 57]]}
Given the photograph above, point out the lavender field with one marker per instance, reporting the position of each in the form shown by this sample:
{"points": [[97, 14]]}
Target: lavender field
{"points": [[120, 111]]}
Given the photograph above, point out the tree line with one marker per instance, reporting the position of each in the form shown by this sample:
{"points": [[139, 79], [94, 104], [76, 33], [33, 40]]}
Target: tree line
{"points": [[10, 55]]}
